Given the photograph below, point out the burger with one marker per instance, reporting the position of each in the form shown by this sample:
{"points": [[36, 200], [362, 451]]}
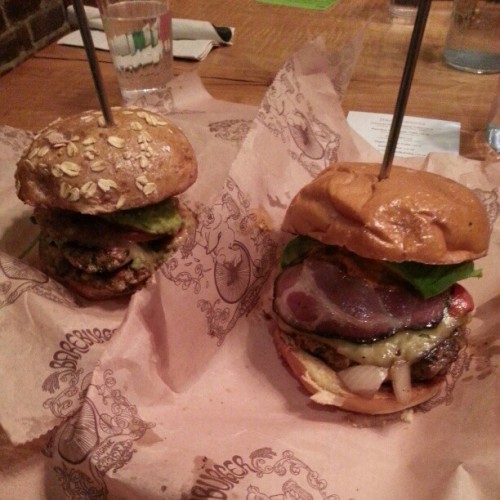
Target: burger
{"points": [[369, 314], [104, 198]]}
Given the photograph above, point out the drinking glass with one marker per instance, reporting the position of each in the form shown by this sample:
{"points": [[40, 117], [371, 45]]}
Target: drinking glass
{"points": [[139, 34], [403, 11], [473, 41], [493, 128]]}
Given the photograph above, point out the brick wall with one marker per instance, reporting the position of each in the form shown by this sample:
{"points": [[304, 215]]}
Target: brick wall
{"points": [[27, 26]]}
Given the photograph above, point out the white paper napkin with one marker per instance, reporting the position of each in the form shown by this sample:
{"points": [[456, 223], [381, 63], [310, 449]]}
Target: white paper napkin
{"points": [[192, 39]]}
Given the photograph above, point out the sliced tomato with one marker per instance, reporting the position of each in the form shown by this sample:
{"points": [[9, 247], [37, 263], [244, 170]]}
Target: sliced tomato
{"points": [[461, 302], [135, 235]]}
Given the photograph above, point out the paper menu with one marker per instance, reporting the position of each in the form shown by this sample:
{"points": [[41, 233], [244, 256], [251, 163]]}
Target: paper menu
{"points": [[418, 136]]}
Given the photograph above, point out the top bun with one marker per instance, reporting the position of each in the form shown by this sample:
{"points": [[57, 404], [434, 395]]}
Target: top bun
{"points": [[409, 216], [80, 164]]}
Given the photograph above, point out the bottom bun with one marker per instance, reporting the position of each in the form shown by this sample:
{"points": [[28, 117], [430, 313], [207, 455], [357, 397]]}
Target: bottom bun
{"points": [[327, 389]]}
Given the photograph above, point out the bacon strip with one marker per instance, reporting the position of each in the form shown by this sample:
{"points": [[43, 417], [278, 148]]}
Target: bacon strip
{"points": [[317, 296]]}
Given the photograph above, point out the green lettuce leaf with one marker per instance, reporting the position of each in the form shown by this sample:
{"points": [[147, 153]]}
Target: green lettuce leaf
{"points": [[297, 250], [161, 218], [428, 280], [431, 280]]}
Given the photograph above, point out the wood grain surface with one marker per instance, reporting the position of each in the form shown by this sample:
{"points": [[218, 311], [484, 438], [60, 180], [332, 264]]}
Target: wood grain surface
{"points": [[57, 81]]}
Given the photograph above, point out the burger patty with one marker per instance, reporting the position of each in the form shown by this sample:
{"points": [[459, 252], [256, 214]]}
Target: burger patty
{"points": [[437, 361], [109, 269], [95, 259], [101, 259], [433, 363], [72, 226], [330, 356]]}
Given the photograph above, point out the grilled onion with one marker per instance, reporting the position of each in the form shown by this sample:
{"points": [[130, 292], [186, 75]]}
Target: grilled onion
{"points": [[401, 380], [364, 380]]}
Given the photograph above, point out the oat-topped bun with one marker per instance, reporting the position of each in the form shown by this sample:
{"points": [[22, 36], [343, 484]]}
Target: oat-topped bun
{"points": [[79, 164], [104, 198], [369, 313], [411, 215]]}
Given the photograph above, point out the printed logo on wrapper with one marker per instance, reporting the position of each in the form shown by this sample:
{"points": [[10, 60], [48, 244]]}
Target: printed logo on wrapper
{"points": [[230, 130], [290, 117], [263, 476], [489, 199], [99, 438], [68, 378], [241, 255], [16, 278]]}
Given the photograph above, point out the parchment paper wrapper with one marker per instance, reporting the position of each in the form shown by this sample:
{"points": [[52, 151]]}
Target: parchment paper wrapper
{"points": [[187, 398]]}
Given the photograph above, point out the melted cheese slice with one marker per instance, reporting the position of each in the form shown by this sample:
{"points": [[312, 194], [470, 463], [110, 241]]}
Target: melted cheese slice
{"points": [[408, 345]]}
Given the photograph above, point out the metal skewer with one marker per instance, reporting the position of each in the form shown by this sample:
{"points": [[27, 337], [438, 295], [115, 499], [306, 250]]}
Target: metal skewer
{"points": [[404, 89], [94, 65]]}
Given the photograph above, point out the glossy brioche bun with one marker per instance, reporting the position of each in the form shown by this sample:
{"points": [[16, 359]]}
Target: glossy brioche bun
{"points": [[411, 215], [79, 164], [326, 388]]}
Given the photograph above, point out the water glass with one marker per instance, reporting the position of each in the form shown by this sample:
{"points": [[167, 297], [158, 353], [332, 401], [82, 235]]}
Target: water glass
{"points": [[493, 128], [473, 41], [139, 34], [403, 11]]}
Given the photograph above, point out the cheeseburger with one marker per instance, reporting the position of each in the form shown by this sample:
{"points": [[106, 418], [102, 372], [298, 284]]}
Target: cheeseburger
{"points": [[105, 198], [369, 313]]}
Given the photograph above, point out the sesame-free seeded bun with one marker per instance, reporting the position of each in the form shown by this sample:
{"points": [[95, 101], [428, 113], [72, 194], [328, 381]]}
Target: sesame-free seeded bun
{"points": [[80, 164], [409, 216]]}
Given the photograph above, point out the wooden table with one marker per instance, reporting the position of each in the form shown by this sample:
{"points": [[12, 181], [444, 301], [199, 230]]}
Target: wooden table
{"points": [[57, 82]]}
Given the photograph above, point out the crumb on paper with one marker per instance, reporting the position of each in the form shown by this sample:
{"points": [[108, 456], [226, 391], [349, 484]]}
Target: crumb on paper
{"points": [[366, 421], [407, 416]]}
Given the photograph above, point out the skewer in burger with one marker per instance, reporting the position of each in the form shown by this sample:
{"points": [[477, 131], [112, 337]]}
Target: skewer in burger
{"points": [[369, 312], [105, 198]]}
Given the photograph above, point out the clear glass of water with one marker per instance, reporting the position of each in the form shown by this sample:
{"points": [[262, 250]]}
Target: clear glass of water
{"points": [[473, 41], [493, 128], [139, 34], [403, 11]]}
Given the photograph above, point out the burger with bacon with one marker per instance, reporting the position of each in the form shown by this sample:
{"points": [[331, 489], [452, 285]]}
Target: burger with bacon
{"points": [[105, 198], [370, 315]]}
